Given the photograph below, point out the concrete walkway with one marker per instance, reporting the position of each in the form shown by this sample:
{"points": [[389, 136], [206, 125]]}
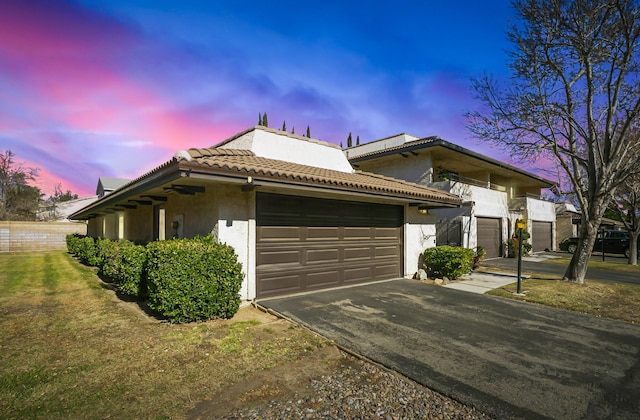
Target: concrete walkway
{"points": [[482, 282]]}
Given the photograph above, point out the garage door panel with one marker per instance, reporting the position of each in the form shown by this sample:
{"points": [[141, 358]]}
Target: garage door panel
{"points": [[323, 233], [278, 256], [324, 243], [386, 251], [358, 275], [385, 271], [322, 255], [357, 233], [322, 279], [278, 233], [386, 233], [357, 253], [278, 283]]}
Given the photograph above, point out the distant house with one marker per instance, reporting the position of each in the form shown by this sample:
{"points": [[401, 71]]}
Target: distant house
{"points": [[294, 209], [494, 194], [109, 185], [568, 222]]}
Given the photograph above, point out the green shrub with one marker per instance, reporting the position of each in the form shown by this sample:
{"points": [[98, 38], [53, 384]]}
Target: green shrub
{"points": [[449, 261], [84, 247], [123, 262], [73, 243], [193, 279], [512, 245]]}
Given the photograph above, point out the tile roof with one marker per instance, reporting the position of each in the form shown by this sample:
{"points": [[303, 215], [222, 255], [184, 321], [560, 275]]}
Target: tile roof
{"points": [[247, 163]]}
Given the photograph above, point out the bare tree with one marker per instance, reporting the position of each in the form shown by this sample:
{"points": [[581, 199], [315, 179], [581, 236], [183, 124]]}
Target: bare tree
{"points": [[18, 199], [574, 98]]}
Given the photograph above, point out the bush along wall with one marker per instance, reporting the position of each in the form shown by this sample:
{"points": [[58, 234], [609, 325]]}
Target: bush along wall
{"points": [[193, 279], [449, 261], [184, 280], [124, 262], [84, 248]]}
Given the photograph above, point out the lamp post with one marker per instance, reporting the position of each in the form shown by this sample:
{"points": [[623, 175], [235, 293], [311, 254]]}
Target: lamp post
{"points": [[519, 227]]}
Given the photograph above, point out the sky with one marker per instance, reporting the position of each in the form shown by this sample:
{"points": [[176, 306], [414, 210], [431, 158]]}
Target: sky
{"points": [[95, 88]]}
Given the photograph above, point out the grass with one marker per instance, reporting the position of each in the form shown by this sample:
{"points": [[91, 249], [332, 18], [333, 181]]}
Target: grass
{"points": [[610, 300], [600, 265], [69, 348]]}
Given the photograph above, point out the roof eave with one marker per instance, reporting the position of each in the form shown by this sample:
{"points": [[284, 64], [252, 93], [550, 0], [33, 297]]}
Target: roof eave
{"points": [[195, 170], [430, 142], [166, 173]]}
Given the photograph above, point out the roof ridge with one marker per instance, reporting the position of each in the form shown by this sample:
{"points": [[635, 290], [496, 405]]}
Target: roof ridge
{"points": [[423, 140], [275, 131]]}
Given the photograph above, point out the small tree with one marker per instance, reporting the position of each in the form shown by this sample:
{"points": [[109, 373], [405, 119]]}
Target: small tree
{"points": [[60, 197], [260, 118], [284, 126], [308, 132], [349, 141], [265, 121]]}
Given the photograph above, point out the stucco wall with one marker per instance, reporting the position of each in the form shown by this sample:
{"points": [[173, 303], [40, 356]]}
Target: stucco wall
{"points": [[278, 145], [413, 170], [540, 210], [195, 214], [138, 224], [236, 227], [37, 236], [419, 234]]}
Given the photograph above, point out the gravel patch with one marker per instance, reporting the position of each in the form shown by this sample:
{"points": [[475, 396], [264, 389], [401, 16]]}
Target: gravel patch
{"points": [[361, 390]]}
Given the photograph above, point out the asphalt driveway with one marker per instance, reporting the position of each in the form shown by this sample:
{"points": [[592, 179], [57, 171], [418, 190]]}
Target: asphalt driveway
{"points": [[506, 358]]}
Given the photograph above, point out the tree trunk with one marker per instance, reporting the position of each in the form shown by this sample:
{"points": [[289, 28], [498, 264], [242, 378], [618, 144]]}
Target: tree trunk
{"points": [[577, 269], [633, 248]]}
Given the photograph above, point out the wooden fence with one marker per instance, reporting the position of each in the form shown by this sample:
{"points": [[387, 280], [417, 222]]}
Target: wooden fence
{"points": [[37, 236]]}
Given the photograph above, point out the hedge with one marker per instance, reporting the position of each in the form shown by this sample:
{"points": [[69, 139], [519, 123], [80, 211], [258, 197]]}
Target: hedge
{"points": [[449, 261], [193, 279], [83, 247], [124, 262]]}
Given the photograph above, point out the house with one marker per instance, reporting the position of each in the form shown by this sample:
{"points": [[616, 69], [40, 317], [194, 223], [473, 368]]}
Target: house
{"points": [[109, 185], [294, 209], [494, 194], [568, 222]]}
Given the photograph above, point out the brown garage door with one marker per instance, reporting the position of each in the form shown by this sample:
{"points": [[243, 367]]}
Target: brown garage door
{"points": [[308, 243], [490, 236], [541, 236]]}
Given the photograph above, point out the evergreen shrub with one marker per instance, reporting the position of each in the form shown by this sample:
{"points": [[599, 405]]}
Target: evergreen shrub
{"points": [[449, 261], [193, 279], [124, 263]]}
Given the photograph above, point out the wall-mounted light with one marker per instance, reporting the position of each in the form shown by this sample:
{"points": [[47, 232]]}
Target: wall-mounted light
{"points": [[423, 209], [249, 186]]}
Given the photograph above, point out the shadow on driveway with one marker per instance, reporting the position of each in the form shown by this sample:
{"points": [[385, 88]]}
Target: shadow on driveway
{"points": [[505, 358]]}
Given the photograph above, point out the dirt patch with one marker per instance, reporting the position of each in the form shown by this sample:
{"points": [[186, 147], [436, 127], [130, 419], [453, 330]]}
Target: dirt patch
{"points": [[277, 383]]}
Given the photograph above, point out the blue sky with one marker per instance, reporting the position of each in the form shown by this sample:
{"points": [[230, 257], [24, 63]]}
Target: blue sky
{"points": [[93, 88]]}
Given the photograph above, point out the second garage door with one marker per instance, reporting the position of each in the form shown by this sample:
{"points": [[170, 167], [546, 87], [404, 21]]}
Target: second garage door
{"points": [[490, 236], [541, 236], [308, 243]]}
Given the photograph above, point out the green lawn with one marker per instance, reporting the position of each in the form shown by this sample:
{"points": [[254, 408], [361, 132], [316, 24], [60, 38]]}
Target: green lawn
{"points": [[617, 301], [70, 349]]}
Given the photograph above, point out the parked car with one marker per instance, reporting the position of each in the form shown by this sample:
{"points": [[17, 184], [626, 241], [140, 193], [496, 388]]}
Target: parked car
{"points": [[613, 241]]}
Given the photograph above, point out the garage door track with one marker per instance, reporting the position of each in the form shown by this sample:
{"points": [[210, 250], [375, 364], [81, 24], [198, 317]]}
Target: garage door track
{"points": [[506, 358]]}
